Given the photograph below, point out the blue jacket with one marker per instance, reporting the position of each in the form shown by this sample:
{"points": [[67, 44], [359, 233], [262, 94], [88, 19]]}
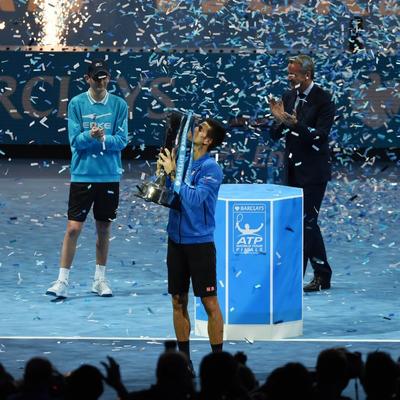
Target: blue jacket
{"points": [[195, 221], [93, 161]]}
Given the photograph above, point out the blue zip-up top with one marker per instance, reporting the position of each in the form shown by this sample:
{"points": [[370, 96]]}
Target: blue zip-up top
{"points": [[92, 160], [195, 221]]}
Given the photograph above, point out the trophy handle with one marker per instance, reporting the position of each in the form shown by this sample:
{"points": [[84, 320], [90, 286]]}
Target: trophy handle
{"points": [[161, 177], [174, 126], [157, 190]]}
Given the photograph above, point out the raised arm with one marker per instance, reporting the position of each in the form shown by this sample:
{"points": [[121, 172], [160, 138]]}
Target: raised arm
{"points": [[208, 184]]}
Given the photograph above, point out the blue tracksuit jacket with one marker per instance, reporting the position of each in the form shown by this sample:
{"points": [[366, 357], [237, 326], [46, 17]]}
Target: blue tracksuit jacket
{"points": [[195, 221]]}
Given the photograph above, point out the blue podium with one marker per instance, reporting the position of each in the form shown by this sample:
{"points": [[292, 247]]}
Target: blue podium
{"points": [[259, 241]]}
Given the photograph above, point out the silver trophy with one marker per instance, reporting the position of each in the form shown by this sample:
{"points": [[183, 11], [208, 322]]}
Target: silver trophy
{"points": [[156, 190]]}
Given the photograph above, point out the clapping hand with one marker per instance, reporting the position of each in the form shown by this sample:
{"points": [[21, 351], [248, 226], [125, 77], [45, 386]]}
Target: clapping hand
{"points": [[290, 119], [277, 110], [97, 132], [280, 114]]}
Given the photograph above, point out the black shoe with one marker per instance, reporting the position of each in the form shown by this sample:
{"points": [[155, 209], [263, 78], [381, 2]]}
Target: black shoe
{"points": [[318, 283]]}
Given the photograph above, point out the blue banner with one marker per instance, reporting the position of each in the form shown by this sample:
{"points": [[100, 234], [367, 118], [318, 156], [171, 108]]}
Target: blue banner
{"points": [[35, 89]]}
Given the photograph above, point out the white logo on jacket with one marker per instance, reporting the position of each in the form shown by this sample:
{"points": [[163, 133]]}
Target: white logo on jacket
{"points": [[94, 122]]}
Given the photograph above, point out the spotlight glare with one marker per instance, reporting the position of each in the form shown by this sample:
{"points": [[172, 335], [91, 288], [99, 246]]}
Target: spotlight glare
{"points": [[54, 17]]}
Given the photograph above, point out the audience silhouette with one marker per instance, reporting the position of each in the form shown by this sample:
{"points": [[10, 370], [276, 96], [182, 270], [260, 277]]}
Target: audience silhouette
{"points": [[381, 377], [245, 375], [84, 383], [40, 382], [219, 378], [222, 376], [292, 381]]}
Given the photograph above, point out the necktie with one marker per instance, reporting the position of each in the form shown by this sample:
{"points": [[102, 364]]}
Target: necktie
{"points": [[302, 98]]}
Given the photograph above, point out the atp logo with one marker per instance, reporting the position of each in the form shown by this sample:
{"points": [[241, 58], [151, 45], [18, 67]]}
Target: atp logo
{"points": [[375, 103], [249, 228]]}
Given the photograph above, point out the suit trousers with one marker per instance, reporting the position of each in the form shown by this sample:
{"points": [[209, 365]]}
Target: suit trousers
{"points": [[314, 248]]}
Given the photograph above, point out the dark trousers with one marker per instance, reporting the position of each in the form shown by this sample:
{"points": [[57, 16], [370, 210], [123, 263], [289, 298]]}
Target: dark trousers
{"points": [[314, 248]]}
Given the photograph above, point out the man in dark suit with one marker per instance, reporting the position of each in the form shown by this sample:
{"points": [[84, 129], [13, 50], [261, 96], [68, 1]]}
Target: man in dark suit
{"points": [[305, 116]]}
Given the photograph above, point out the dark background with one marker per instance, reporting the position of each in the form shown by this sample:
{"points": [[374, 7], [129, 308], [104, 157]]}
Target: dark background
{"points": [[219, 58]]}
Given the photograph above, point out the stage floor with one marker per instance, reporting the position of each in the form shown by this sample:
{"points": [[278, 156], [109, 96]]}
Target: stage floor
{"points": [[359, 220]]}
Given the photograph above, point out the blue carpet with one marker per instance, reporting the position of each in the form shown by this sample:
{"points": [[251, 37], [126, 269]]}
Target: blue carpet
{"points": [[359, 220]]}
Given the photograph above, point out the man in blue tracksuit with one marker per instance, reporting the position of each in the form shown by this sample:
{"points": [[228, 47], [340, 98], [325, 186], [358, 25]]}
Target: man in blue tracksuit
{"points": [[191, 249], [97, 129]]}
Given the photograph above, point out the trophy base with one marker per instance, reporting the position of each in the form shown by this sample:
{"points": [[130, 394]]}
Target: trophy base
{"points": [[151, 191]]}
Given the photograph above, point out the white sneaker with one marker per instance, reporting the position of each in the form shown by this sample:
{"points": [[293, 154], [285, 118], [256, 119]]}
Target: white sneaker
{"points": [[102, 288], [59, 289]]}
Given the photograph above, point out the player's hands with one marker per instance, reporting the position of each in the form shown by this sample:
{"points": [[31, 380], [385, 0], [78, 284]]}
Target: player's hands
{"points": [[102, 135], [166, 159], [97, 132], [159, 166]]}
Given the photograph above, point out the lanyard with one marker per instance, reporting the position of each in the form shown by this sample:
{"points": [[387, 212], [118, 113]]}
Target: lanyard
{"points": [[180, 164]]}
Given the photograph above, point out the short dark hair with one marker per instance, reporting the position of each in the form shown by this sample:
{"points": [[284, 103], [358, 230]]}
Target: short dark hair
{"points": [[38, 371], [86, 382], [306, 63], [216, 132]]}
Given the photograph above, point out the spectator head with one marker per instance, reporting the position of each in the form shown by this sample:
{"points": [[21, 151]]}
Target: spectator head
{"points": [[7, 383], [292, 381], [245, 374], [84, 383], [173, 367], [335, 367], [381, 373], [218, 375], [38, 374]]}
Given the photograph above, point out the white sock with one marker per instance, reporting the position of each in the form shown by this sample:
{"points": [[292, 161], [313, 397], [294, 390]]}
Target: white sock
{"points": [[63, 274], [100, 273]]}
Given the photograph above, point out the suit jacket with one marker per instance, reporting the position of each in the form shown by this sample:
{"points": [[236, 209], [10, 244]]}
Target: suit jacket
{"points": [[307, 154]]}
